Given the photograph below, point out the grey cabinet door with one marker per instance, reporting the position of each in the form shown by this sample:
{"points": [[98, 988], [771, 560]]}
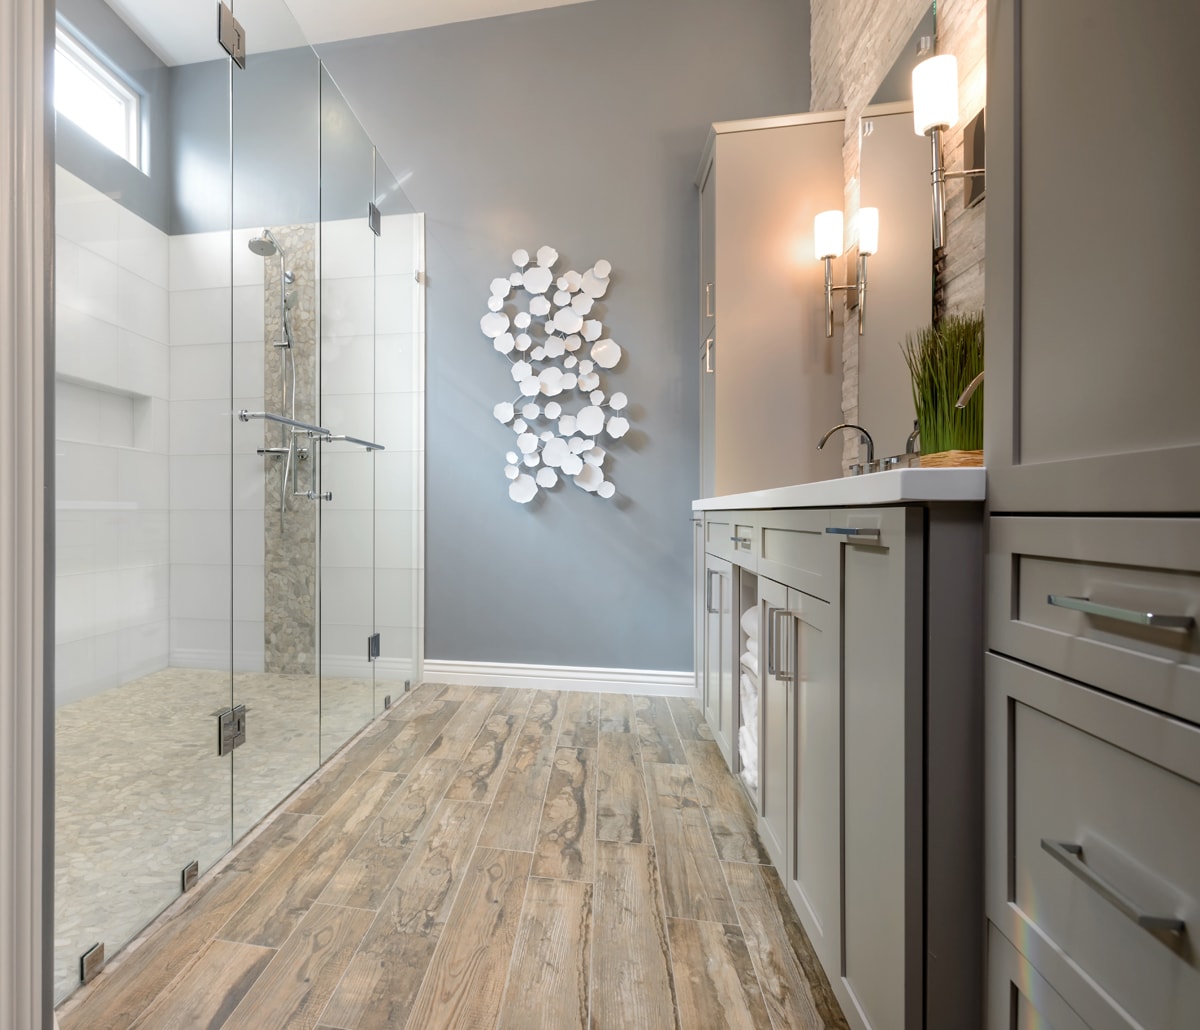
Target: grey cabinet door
{"points": [[808, 665], [882, 712], [1093, 158], [775, 722], [708, 252], [708, 414], [719, 656]]}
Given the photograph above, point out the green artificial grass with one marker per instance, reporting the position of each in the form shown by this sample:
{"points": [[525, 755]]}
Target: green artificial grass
{"points": [[942, 360]]}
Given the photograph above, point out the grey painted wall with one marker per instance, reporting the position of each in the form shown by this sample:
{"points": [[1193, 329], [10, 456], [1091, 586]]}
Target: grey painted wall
{"points": [[145, 194], [580, 127]]}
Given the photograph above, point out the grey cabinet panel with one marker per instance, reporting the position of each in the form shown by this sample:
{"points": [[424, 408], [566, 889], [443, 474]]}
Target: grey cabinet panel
{"points": [[1092, 357], [1019, 998], [720, 656], [708, 252], [882, 781], [776, 735]]}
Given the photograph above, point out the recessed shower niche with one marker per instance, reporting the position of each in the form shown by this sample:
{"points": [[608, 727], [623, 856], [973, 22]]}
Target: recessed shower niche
{"points": [[240, 390]]}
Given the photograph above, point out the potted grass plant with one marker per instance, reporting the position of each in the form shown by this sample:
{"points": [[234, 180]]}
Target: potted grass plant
{"points": [[942, 360]]}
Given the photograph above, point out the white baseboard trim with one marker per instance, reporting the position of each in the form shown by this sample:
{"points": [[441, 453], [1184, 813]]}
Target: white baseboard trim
{"points": [[561, 677]]}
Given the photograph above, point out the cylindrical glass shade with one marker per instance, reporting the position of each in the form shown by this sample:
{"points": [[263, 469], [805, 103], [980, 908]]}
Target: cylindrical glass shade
{"points": [[868, 230], [935, 93], [827, 234]]}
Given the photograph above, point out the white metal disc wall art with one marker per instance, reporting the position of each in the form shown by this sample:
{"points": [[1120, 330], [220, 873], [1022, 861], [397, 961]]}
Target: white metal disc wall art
{"points": [[546, 324]]}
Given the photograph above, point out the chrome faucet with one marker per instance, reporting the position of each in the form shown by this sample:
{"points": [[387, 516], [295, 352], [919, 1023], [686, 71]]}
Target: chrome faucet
{"points": [[866, 438], [972, 386], [910, 445]]}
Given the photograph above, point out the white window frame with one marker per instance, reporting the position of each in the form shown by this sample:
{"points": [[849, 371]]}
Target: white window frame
{"points": [[70, 47]]}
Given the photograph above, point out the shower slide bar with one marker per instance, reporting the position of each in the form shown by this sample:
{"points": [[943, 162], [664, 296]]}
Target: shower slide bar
{"points": [[318, 432]]}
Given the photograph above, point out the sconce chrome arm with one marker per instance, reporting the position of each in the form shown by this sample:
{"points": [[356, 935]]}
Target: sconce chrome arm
{"points": [[860, 286], [938, 178]]}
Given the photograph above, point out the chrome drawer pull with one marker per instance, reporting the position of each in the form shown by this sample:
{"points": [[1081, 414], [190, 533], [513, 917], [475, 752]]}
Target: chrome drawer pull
{"points": [[772, 640], [857, 532], [1071, 856], [741, 540], [1082, 604]]}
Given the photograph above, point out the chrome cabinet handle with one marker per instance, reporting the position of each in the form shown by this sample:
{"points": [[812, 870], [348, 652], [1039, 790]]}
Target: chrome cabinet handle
{"points": [[1071, 856], [708, 349], [741, 540], [708, 591], [854, 532], [772, 640], [708, 300], [1139, 618]]}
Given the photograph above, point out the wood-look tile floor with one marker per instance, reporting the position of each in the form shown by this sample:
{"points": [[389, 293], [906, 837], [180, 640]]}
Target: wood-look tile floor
{"points": [[489, 858]]}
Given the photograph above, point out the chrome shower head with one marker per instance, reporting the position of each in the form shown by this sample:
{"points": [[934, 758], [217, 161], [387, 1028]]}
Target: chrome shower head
{"points": [[265, 244]]}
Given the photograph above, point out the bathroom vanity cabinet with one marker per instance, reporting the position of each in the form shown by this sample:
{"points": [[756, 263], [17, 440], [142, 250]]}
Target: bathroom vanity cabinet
{"points": [[762, 345], [1092, 727], [869, 777]]}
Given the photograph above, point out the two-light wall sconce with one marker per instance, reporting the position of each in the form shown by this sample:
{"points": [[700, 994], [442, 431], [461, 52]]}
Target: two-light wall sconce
{"points": [[935, 109], [827, 244]]}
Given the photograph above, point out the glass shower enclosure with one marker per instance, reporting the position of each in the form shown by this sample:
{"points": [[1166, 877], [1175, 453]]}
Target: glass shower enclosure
{"points": [[239, 386]]}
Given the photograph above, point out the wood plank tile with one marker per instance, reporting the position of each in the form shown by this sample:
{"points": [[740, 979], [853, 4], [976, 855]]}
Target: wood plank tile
{"points": [[653, 723], [479, 776], [517, 809], [689, 719], [276, 909], [458, 736], [383, 978], [616, 713], [294, 988], [549, 976], [815, 979], [413, 740], [693, 883], [367, 875], [631, 974], [127, 989], [465, 981], [714, 978], [581, 720], [566, 840], [785, 988], [622, 811], [731, 818], [320, 793], [210, 990]]}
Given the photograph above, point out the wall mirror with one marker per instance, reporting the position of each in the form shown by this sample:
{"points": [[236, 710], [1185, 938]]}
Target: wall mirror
{"points": [[894, 177]]}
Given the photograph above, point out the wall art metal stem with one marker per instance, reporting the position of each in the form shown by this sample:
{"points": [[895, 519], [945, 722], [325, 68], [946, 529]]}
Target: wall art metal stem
{"points": [[543, 334]]}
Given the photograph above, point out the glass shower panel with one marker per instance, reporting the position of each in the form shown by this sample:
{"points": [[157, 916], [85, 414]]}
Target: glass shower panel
{"points": [[276, 184], [400, 416], [143, 450], [347, 467]]}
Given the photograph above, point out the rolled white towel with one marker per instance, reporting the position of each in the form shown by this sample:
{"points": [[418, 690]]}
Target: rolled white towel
{"points": [[750, 712], [750, 664], [752, 646], [750, 622]]}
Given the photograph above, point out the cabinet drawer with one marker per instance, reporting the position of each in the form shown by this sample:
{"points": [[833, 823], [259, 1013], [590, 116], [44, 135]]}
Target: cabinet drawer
{"points": [[1125, 566], [733, 536], [1094, 823], [794, 551]]}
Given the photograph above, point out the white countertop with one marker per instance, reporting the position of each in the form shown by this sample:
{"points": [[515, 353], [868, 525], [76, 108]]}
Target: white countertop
{"points": [[897, 486]]}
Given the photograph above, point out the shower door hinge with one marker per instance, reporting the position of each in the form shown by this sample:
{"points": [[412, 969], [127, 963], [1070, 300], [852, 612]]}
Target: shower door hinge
{"points": [[189, 876], [374, 219], [372, 647], [231, 729], [231, 35], [90, 963]]}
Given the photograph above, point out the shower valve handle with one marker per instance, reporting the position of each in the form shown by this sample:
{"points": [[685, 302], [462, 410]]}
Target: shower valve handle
{"points": [[312, 495]]}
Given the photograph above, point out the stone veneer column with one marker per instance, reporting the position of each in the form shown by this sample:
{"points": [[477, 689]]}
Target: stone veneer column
{"points": [[290, 590]]}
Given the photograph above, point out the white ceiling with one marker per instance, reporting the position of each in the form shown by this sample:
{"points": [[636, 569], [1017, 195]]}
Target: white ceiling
{"points": [[185, 31]]}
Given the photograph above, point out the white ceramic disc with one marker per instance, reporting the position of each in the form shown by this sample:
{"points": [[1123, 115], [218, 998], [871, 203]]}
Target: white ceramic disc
{"points": [[522, 489], [590, 420], [594, 456], [589, 382], [530, 411], [530, 387], [538, 280], [566, 425], [493, 324], [567, 320], [570, 361], [592, 330], [532, 459], [523, 341], [519, 426], [617, 427], [511, 470], [495, 303], [503, 412], [573, 342], [586, 366], [538, 353], [501, 288], [554, 347], [589, 478], [527, 443], [596, 397], [521, 370], [606, 354], [546, 256], [578, 445], [547, 478], [562, 298], [516, 278], [504, 343], [569, 381], [512, 457], [603, 269], [522, 320], [582, 303], [551, 380], [539, 307], [520, 258], [573, 465], [574, 281], [593, 285], [606, 489], [556, 452], [618, 401], [553, 409]]}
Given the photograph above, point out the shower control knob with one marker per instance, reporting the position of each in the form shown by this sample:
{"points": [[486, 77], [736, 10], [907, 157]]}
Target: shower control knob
{"points": [[314, 496]]}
